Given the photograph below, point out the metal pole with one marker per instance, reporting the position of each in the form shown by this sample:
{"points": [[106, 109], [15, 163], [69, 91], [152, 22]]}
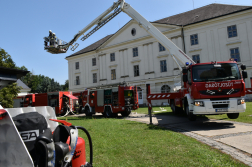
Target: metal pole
{"points": [[149, 102]]}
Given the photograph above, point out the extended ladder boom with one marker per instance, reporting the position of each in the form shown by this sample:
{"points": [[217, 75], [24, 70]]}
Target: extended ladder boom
{"points": [[119, 6], [160, 37]]}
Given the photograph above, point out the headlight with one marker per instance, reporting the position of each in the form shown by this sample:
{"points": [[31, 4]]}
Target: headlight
{"points": [[199, 103], [240, 101]]}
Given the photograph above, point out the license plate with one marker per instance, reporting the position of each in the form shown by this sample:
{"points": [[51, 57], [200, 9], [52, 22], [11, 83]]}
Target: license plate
{"points": [[221, 110]]}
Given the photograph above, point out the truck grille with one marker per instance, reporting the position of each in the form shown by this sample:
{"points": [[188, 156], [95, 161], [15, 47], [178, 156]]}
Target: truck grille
{"points": [[217, 93], [220, 104]]}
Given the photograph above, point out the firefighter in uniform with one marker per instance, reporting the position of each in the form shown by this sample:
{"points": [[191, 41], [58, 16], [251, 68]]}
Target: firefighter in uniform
{"points": [[50, 36], [77, 107], [52, 39]]}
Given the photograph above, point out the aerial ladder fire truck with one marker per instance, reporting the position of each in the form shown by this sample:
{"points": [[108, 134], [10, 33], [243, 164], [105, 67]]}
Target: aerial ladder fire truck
{"points": [[108, 100], [206, 88]]}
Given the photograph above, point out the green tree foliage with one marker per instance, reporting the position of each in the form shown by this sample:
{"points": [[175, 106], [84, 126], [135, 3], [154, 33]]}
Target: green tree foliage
{"points": [[65, 87], [48, 85], [8, 93], [37, 83], [6, 60]]}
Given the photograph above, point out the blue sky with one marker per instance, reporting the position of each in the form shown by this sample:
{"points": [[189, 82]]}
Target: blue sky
{"points": [[24, 23]]}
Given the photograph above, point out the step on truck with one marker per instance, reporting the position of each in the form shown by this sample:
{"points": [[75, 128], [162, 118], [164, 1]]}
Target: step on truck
{"points": [[108, 100]]}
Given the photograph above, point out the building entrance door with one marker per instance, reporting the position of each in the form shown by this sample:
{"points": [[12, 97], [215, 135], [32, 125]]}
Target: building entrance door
{"points": [[140, 95]]}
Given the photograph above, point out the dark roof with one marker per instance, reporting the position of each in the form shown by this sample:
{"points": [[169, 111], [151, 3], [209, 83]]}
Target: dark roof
{"points": [[23, 85], [201, 14], [92, 47], [16, 73]]}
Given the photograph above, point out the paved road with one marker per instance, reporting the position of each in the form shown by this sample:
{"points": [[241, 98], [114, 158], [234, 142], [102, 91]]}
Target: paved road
{"points": [[233, 138]]}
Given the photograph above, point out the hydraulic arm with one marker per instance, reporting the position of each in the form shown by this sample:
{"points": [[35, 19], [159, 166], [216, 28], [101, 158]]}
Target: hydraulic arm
{"points": [[117, 7]]}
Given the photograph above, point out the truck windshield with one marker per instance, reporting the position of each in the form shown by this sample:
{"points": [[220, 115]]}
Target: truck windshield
{"points": [[210, 72]]}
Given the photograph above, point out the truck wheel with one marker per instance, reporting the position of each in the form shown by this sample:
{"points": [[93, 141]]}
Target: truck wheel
{"points": [[173, 108], [233, 115], [88, 112], [126, 113], [189, 114], [108, 113]]}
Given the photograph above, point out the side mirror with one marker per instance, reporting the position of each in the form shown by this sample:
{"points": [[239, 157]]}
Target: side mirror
{"points": [[243, 67], [185, 78], [244, 74]]}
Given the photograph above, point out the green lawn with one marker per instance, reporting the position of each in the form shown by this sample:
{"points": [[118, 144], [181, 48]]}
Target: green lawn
{"points": [[144, 110], [243, 117], [119, 143]]}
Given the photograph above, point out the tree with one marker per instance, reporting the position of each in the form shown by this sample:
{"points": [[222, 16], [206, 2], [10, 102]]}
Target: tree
{"points": [[66, 86], [44, 86], [6, 60], [8, 93]]}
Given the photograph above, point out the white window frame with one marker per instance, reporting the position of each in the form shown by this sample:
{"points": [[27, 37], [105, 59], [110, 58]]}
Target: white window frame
{"points": [[135, 52], [94, 77], [136, 70], [93, 61], [113, 74]]}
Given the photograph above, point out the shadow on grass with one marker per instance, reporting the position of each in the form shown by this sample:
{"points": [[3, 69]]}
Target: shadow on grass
{"points": [[155, 127], [82, 117]]}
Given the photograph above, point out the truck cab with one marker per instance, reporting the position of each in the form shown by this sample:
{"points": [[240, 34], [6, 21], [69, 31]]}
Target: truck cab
{"points": [[215, 88]]}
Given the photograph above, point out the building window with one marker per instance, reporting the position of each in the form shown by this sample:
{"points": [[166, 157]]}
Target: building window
{"points": [[232, 31], [135, 52], [161, 47], [196, 58], [194, 39], [235, 54], [136, 70], [76, 65], [113, 74], [112, 56], [163, 66], [94, 77], [165, 89], [133, 31], [77, 81], [93, 61], [140, 94]]}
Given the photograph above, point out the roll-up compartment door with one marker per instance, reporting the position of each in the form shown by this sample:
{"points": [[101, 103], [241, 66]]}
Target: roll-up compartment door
{"points": [[100, 98]]}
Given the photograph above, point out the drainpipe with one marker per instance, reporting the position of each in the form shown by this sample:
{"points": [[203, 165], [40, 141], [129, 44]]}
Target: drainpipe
{"points": [[183, 38]]}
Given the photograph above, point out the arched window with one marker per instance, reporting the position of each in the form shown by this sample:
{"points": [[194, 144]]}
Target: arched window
{"points": [[140, 93], [165, 89]]}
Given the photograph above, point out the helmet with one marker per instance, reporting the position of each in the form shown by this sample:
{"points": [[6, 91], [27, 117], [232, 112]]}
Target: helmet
{"points": [[50, 30], [53, 33]]}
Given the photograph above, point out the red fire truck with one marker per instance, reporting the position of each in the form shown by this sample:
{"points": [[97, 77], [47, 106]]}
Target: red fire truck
{"points": [[58, 100], [208, 88], [109, 100]]}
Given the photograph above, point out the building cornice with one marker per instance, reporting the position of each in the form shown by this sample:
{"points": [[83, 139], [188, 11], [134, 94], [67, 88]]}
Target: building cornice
{"points": [[234, 42]]}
